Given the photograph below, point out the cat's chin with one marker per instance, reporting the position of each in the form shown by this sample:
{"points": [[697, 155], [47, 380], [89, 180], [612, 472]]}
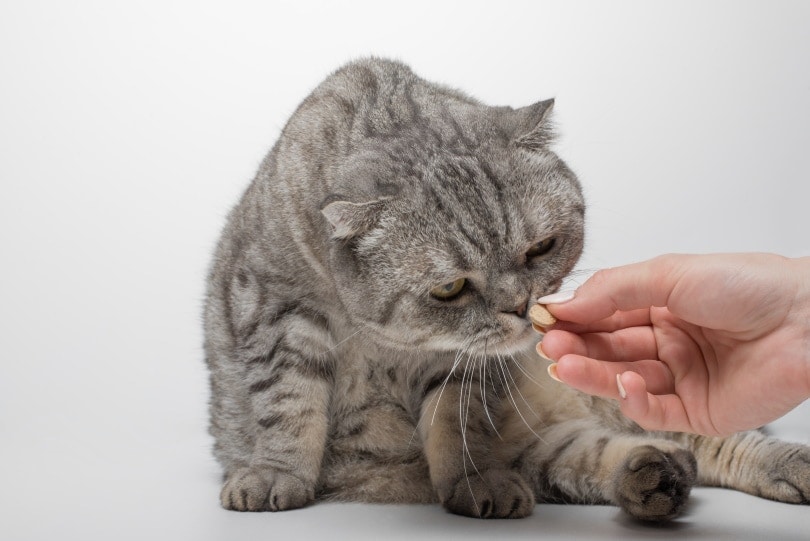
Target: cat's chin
{"points": [[512, 345]]}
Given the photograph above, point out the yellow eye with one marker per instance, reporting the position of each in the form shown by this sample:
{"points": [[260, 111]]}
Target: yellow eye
{"points": [[541, 248], [445, 292]]}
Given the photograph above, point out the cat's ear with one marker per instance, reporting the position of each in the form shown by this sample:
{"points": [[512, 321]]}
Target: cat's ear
{"points": [[351, 219], [532, 125]]}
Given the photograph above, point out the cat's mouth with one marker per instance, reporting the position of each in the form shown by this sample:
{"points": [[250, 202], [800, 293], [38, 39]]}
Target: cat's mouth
{"points": [[514, 343], [498, 343]]}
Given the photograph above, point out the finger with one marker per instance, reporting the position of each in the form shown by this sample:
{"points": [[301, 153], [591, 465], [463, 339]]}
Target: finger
{"points": [[589, 376], [651, 411], [630, 287], [633, 344], [556, 343], [599, 377], [619, 320]]}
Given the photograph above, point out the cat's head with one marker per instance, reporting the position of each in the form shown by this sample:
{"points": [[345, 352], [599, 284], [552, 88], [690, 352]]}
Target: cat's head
{"points": [[441, 237]]}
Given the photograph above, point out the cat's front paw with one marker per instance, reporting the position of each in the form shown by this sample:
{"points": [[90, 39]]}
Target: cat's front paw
{"points": [[492, 494], [788, 477], [264, 489], [653, 484]]}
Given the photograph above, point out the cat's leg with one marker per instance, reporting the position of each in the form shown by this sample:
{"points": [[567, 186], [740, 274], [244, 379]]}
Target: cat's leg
{"points": [[288, 387], [457, 436], [579, 461], [754, 463]]}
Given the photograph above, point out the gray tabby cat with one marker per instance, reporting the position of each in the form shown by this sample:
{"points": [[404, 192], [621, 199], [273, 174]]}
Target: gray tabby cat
{"points": [[366, 323]]}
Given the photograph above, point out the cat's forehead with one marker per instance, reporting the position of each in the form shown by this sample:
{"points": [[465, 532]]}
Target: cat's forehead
{"points": [[457, 209], [449, 240]]}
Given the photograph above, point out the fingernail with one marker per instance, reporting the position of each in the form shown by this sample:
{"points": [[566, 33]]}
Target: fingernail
{"points": [[558, 297], [542, 353], [552, 371], [622, 392], [538, 328]]}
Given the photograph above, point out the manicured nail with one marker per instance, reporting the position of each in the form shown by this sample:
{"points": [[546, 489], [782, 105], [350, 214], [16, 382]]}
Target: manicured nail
{"points": [[542, 353], [552, 371], [622, 392], [557, 298], [538, 328]]}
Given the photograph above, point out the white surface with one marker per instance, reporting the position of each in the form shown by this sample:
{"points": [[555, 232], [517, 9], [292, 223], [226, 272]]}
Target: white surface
{"points": [[127, 130]]}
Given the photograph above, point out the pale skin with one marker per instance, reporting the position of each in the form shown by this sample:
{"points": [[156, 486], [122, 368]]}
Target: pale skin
{"points": [[709, 344]]}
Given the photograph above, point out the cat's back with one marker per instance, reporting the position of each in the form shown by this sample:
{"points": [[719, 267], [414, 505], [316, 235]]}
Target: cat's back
{"points": [[277, 226], [367, 99]]}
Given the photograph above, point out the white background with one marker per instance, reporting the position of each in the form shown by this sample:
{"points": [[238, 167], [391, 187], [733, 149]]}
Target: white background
{"points": [[128, 129]]}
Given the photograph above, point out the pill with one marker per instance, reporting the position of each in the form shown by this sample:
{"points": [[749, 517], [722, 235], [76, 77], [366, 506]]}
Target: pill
{"points": [[541, 318]]}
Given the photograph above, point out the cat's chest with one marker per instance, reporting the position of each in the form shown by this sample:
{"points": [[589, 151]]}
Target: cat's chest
{"points": [[370, 379], [372, 407]]}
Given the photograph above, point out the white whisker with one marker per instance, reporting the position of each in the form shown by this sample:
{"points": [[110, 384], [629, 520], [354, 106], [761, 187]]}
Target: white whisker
{"points": [[517, 388], [525, 372], [482, 385], [463, 420], [355, 333], [456, 362], [464, 416], [514, 402]]}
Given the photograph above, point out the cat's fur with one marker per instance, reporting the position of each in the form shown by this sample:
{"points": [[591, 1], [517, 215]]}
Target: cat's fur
{"points": [[336, 374]]}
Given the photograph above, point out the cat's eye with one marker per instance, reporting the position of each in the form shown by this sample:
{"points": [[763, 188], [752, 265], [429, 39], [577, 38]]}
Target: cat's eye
{"points": [[448, 291], [541, 248]]}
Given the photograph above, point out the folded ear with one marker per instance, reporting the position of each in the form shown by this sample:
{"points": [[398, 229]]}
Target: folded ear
{"points": [[532, 125], [351, 219]]}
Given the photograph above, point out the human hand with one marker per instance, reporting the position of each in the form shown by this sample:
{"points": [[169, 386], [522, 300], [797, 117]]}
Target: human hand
{"points": [[710, 344]]}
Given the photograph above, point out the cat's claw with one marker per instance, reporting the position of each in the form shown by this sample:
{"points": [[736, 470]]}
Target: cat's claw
{"points": [[492, 494], [788, 480], [264, 489]]}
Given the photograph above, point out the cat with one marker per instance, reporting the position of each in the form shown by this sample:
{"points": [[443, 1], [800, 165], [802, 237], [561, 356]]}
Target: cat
{"points": [[366, 330]]}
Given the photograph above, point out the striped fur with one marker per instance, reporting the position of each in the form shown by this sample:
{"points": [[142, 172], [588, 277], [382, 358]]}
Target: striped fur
{"points": [[335, 373]]}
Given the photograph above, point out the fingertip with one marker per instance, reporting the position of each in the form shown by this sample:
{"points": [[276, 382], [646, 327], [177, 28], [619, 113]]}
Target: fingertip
{"points": [[543, 345], [572, 367], [541, 352], [586, 375], [559, 297], [552, 371], [650, 411], [634, 401], [633, 383], [557, 343], [620, 386]]}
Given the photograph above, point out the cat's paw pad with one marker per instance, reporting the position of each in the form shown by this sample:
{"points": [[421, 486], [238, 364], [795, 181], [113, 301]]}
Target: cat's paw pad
{"points": [[264, 489], [788, 478], [492, 494], [653, 484]]}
